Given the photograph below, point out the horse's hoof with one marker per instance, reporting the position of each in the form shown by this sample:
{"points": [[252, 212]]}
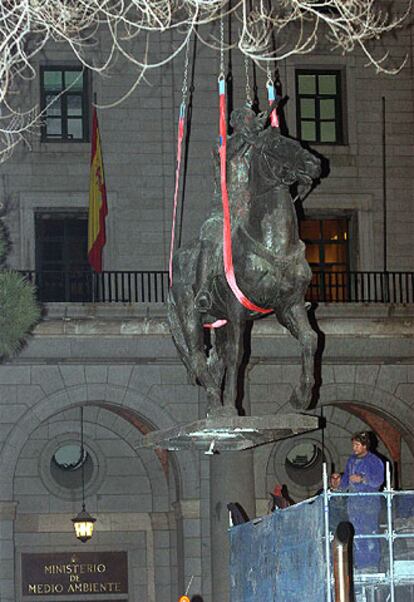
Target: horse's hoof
{"points": [[222, 412], [192, 380], [212, 411], [299, 401], [203, 301], [213, 406]]}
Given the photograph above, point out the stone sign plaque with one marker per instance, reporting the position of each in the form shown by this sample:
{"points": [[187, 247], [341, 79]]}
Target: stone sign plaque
{"points": [[74, 573]]}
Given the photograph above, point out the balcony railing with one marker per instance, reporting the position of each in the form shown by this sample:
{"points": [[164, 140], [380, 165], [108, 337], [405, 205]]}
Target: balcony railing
{"points": [[105, 287], [362, 287], [152, 287]]}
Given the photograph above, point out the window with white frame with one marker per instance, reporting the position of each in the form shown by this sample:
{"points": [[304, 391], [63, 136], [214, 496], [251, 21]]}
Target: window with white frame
{"points": [[319, 106], [65, 100]]}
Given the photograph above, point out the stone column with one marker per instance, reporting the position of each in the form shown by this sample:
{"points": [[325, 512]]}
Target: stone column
{"points": [[7, 518], [231, 480], [187, 513]]}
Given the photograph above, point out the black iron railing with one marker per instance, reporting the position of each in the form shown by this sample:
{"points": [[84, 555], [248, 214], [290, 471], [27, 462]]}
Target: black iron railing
{"points": [[105, 287], [362, 287], [152, 287]]}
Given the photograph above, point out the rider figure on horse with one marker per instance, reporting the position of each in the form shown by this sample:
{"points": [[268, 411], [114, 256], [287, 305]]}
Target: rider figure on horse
{"points": [[247, 127]]}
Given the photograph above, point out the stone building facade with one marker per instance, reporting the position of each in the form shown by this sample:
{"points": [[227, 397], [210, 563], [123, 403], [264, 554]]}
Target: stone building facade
{"points": [[117, 360]]}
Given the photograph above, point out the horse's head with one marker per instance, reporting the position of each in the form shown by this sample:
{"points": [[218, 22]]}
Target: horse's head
{"points": [[284, 161]]}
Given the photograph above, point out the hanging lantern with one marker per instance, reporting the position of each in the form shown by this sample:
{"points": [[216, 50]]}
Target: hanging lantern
{"points": [[83, 524]]}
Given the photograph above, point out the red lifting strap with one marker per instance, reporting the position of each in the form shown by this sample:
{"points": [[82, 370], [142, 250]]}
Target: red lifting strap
{"points": [[274, 119], [227, 250]]}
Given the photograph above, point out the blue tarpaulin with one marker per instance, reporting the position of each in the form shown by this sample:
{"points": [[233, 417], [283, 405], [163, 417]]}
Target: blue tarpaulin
{"points": [[281, 557]]}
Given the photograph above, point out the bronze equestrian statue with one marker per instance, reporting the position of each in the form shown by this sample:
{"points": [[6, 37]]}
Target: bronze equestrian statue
{"points": [[268, 256]]}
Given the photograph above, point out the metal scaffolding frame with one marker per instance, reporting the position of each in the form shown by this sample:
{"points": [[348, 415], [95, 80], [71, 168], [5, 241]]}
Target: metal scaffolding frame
{"points": [[367, 584], [287, 556]]}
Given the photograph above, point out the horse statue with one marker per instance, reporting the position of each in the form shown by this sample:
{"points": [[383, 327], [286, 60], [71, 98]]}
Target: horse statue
{"points": [[263, 167]]}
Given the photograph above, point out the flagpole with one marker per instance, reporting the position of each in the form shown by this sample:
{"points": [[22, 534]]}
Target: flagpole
{"points": [[93, 269]]}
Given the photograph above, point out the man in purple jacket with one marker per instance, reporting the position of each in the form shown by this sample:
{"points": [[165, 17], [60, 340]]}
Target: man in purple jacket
{"points": [[364, 473]]}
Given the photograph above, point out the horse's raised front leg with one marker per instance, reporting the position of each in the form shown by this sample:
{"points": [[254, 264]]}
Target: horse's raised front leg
{"points": [[295, 319]]}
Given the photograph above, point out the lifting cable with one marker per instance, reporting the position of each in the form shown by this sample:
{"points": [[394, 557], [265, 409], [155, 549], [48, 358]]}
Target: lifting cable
{"points": [[180, 136], [271, 97], [249, 99]]}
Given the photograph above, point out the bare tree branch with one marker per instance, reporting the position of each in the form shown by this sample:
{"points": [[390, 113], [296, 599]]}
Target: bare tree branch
{"points": [[27, 25]]}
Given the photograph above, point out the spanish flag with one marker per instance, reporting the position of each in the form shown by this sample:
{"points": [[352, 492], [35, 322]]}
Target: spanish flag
{"points": [[98, 208]]}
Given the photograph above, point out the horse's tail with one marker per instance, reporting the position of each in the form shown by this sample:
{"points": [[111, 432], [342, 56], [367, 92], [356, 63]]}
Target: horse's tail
{"points": [[184, 264], [176, 329], [174, 324]]}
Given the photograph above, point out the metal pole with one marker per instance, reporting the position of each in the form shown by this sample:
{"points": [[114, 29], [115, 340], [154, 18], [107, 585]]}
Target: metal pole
{"points": [[95, 97], [322, 432], [384, 184], [93, 285], [327, 534], [389, 496], [341, 555], [82, 450]]}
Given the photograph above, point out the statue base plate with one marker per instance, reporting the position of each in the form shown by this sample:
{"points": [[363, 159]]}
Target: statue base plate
{"points": [[230, 433]]}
